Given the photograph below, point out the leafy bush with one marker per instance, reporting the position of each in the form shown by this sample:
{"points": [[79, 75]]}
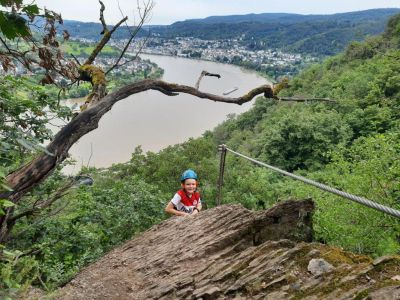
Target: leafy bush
{"points": [[299, 137], [370, 168], [94, 220], [17, 272]]}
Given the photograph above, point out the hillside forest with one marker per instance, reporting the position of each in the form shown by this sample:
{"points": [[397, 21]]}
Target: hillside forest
{"points": [[316, 35], [351, 144]]}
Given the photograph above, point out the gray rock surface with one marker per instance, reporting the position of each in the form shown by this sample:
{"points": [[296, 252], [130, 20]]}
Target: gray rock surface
{"points": [[230, 252], [318, 266]]}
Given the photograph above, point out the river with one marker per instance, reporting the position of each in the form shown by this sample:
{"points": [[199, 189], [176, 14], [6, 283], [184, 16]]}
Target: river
{"points": [[154, 120]]}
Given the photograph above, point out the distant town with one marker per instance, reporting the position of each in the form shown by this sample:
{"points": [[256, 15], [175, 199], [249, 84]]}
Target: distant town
{"points": [[228, 51], [271, 62]]}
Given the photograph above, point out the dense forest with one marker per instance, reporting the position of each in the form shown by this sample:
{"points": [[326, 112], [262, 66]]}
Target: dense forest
{"points": [[352, 144], [317, 35]]}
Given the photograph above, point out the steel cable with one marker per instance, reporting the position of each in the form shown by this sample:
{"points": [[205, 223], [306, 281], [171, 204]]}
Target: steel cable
{"points": [[324, 187]]}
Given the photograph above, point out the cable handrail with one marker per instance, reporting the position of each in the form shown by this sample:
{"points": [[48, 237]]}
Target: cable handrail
{"points": [[361, 200]]}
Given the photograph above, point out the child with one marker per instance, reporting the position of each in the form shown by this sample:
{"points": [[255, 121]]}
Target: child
{"points": [[187, 200]]}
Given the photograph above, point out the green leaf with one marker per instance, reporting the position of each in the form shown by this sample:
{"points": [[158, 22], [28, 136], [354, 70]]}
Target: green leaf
{"points": [[13, 25], [39, 147], [6, 203], [25, 144], [5, 187], [31, 10], [6, 2], [8, 253], [32, 146]]}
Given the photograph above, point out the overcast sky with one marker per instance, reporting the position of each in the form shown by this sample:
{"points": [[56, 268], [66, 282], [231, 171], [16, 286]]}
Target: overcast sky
{"points": [[169, 11]]}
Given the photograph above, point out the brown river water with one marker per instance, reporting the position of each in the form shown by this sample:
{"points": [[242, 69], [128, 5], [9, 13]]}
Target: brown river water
{"points": [[155, 121]]}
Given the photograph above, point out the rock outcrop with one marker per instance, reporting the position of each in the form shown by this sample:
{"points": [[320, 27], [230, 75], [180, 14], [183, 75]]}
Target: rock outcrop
{"points": [[230, 252]]}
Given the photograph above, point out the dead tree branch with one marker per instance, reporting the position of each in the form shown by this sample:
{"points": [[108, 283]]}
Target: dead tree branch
{"points": [[205, 73], [44, 204], [130, 60], [76, 59], [143, 18], [106, 37], [103, 22]]}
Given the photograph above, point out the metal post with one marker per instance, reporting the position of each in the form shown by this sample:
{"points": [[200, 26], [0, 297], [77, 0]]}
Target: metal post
{"points": [[222, 149]]}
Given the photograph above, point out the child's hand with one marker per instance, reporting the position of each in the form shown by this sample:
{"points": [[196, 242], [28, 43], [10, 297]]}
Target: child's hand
{"points": [[195, 212]]}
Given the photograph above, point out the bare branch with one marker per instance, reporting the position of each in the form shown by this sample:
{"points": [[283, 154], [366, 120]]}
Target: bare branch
{"points": [[76, 59], [20, 56], [128, 60], [205, 73], [106, 37], [50, 201], [91, 154], [143, 17], [103, 22]]}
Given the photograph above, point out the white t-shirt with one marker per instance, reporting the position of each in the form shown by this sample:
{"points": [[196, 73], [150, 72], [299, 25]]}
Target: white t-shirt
{"points": [[176, 201]]}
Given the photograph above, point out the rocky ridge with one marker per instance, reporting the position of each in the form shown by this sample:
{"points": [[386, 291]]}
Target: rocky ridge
{"points": [[229, 252]]}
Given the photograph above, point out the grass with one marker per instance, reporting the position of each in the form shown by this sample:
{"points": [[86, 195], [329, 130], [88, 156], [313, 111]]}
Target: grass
{"points": [[82, 49]]}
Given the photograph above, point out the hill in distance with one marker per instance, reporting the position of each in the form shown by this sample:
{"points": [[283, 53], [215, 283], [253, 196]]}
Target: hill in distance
{"points": [[287, 18], [317, 35]]}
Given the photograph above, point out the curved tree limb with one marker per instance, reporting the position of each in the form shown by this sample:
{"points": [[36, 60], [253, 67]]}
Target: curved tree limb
{"points": [[25, 178]]}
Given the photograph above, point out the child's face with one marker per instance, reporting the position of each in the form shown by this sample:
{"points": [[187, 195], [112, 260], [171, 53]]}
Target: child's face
{"points": [[189, 185]]}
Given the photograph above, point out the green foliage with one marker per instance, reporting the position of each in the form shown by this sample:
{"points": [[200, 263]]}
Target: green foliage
{"points": [[17, 272], [301, 137], [369, 168], [90, 221], [12, 24], [359, 50], [392, 31], [26, 109]]}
